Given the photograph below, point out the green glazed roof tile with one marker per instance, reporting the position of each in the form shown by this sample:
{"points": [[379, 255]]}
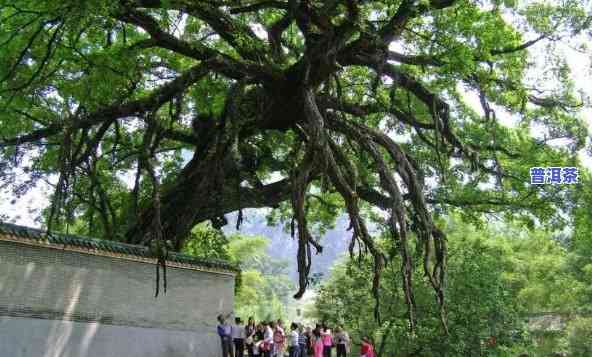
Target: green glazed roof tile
{"points": [[108, 246]]}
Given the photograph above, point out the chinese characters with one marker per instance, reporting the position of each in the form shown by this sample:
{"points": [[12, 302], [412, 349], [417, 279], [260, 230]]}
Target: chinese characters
{"points": [[553, 175]]}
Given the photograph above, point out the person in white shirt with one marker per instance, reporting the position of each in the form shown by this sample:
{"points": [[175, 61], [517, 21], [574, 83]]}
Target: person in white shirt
{"points": [[238, 337], [293, 348], [268, 339]]}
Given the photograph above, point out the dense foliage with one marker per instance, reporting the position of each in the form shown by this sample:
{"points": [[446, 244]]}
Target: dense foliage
{"points": [[579, 337], [151, 116], [499, 278]]}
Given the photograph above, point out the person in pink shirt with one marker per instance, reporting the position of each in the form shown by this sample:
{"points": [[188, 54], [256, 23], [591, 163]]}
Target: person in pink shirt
{"points": [[317, 342], [327, 341]]}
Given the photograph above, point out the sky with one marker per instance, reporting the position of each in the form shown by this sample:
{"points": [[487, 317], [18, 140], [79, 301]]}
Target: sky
{"points": [[26, 209]]}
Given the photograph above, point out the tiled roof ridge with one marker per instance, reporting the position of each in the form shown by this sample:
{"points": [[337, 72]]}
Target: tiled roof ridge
{"points": [[108, 246]]}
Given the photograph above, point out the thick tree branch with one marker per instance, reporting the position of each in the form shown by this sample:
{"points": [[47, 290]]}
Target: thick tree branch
{"points": [[512, 49], [407, 10], [218, 62], [266, 4], [416, 60], [238, 34], [371, 108], [133, 108]]}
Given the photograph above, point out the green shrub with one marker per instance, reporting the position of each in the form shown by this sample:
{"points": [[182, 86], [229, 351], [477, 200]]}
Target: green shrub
{"points": [[579, 337]]}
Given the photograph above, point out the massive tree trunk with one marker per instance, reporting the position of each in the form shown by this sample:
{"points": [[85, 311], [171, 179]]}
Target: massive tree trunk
{"points": [[197, 196]]}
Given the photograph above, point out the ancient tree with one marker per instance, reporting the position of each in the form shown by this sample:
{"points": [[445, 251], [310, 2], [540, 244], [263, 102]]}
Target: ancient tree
{"points": [[151, 116]]}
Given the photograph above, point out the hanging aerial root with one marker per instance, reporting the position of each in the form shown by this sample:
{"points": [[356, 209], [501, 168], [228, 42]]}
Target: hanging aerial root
{"points": [[397, 222], [300, 182], [426, 230], [324, 156], [351, 178], [158, 247], [439, 273], [66, 170], [371, 141], [344, 178]]}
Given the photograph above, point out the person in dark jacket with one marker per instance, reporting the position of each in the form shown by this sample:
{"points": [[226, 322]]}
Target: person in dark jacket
{"points": [[250, 331]]}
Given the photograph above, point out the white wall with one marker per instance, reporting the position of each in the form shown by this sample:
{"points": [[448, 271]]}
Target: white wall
{"points": [[57, 303], [26, 337]]}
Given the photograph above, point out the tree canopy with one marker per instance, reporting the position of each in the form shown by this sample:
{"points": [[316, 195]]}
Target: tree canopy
{"points": [[151, 116]]}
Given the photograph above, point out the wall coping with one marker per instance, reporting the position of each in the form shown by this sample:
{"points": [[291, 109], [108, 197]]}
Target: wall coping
{"points": [[52, 240]]}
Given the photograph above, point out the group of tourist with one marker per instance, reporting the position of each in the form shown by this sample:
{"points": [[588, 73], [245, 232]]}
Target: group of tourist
{"points": [[270, 339]]}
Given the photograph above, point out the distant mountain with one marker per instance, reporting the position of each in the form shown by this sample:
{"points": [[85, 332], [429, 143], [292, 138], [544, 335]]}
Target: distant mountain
{"points": [[335, 242]]}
